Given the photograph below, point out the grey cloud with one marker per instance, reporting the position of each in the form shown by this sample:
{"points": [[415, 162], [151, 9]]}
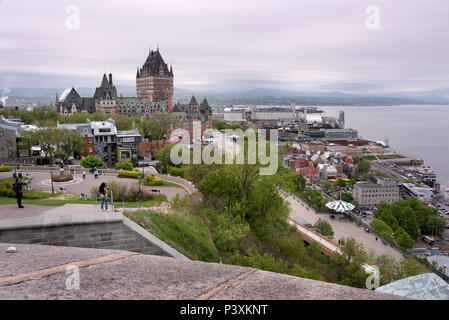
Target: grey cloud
{"points": [[225, 45]]}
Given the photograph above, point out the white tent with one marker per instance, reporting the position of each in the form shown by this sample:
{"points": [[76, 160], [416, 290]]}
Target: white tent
{"points": [[340, 206]]}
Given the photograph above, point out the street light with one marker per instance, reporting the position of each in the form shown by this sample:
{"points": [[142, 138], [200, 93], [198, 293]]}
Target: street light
{"points": [[444, 266], [52, 188]]}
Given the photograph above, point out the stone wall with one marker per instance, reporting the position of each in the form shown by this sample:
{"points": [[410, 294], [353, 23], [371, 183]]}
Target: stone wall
{"points": [[114, 235]]}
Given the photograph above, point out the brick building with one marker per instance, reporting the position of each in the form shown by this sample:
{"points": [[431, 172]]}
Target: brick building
{"points": [[154, 81]]}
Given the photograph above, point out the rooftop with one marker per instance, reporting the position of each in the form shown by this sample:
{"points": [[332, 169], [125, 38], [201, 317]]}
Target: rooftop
{"points": [[39, 272]]}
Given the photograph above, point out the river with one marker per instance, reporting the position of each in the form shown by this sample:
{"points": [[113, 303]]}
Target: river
{"points": [[421, 130]]}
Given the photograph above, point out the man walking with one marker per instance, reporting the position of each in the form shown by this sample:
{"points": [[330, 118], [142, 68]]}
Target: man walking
{"points": [[17, 188]]}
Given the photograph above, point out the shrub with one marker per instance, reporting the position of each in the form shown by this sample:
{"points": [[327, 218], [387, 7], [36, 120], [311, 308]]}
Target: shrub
{"points": [[124, 166], [127, 192], [93, 162], [175, 171], [153, 181], [4, 168], [132, 174]]}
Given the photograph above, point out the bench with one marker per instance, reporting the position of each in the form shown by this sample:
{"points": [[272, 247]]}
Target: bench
{"points": [[63, 190], [157, 191], [101, 172], [72, 171]]}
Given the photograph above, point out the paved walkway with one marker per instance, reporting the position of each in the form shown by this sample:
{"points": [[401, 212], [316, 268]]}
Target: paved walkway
{"points": [[343, 228], [39, 272], [39, 216], [41, 181]]}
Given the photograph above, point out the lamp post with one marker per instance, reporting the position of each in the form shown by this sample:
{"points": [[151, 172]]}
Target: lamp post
{"points": [[444, 267], [52, 188]]}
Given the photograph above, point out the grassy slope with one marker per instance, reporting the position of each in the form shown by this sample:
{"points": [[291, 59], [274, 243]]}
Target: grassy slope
{"points": [[187, 233]]}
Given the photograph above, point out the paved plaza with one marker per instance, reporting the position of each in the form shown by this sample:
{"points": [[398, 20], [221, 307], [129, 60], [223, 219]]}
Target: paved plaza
{"points": [[343, 228], [41, 181]]}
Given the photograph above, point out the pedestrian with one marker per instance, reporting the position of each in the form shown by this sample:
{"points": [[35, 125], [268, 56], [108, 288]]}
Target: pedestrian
{"points": [[96, 174], [104, 191], [376, 238], [17, 188], [84, 174]]}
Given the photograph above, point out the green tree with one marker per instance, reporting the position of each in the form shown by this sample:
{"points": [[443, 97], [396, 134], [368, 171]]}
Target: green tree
{"points": [[229, 229], [161, 124], [324, 227], [124, 166], [403, 239], [70, 142], [346, 196], [362, 165], [349, 262], [163, 156], [46, 138], [93, 162], [383, 228]]}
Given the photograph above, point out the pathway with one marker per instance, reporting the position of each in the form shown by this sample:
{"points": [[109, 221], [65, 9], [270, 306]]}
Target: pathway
{"points": [[343, 228]]}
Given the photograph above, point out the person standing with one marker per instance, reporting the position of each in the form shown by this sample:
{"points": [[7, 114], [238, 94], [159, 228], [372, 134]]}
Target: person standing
{"points": [[96, 174], [104, 191], [84, 174], [17, 188]]}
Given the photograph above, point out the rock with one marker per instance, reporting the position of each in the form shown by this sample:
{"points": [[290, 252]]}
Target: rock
{"points": [[11, 250]]}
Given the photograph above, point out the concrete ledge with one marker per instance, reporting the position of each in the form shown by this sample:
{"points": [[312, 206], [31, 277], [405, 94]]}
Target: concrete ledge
{"points": [[152, 239], [59, 220]]}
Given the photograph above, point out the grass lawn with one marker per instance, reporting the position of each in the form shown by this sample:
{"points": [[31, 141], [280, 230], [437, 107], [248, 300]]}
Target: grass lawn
{"points": [[187, 233]]}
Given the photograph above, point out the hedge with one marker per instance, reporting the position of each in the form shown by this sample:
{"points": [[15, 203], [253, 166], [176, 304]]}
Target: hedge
{"points": [[153, 181], [123, 166], [132, 174], [4, 168]]}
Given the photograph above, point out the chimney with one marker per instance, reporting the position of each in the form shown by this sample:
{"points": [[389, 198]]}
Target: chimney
{"points": [[110, 79]]}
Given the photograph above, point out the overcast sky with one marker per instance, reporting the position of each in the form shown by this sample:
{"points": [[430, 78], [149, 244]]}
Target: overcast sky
{"points": [[230, 45]]}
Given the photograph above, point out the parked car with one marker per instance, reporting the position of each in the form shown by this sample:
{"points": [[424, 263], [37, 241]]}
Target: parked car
{"points": [[428, 240]]}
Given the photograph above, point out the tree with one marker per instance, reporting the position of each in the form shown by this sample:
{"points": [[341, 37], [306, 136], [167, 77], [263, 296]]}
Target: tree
{"points": [[244, 175], [160, 124], [93, 162], [144, 127], [346, 196], [219, 124], [70, 142], [383, 228], [403, 239], [362, 165], [229, 229], [349, 262], [45, 115], [163, 156], [324, 227], [46, 138], [341, 183], [123, 166]]}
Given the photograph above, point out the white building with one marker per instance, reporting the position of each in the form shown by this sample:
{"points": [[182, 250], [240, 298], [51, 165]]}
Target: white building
{"points": [[420, 193]]}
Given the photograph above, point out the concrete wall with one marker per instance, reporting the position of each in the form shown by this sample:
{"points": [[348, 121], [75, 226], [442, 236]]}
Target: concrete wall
{"points": [[118, 233], [114, 235]]}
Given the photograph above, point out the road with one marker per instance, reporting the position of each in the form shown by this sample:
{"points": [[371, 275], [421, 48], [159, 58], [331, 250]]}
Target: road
{"points": [[388, 171]]}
